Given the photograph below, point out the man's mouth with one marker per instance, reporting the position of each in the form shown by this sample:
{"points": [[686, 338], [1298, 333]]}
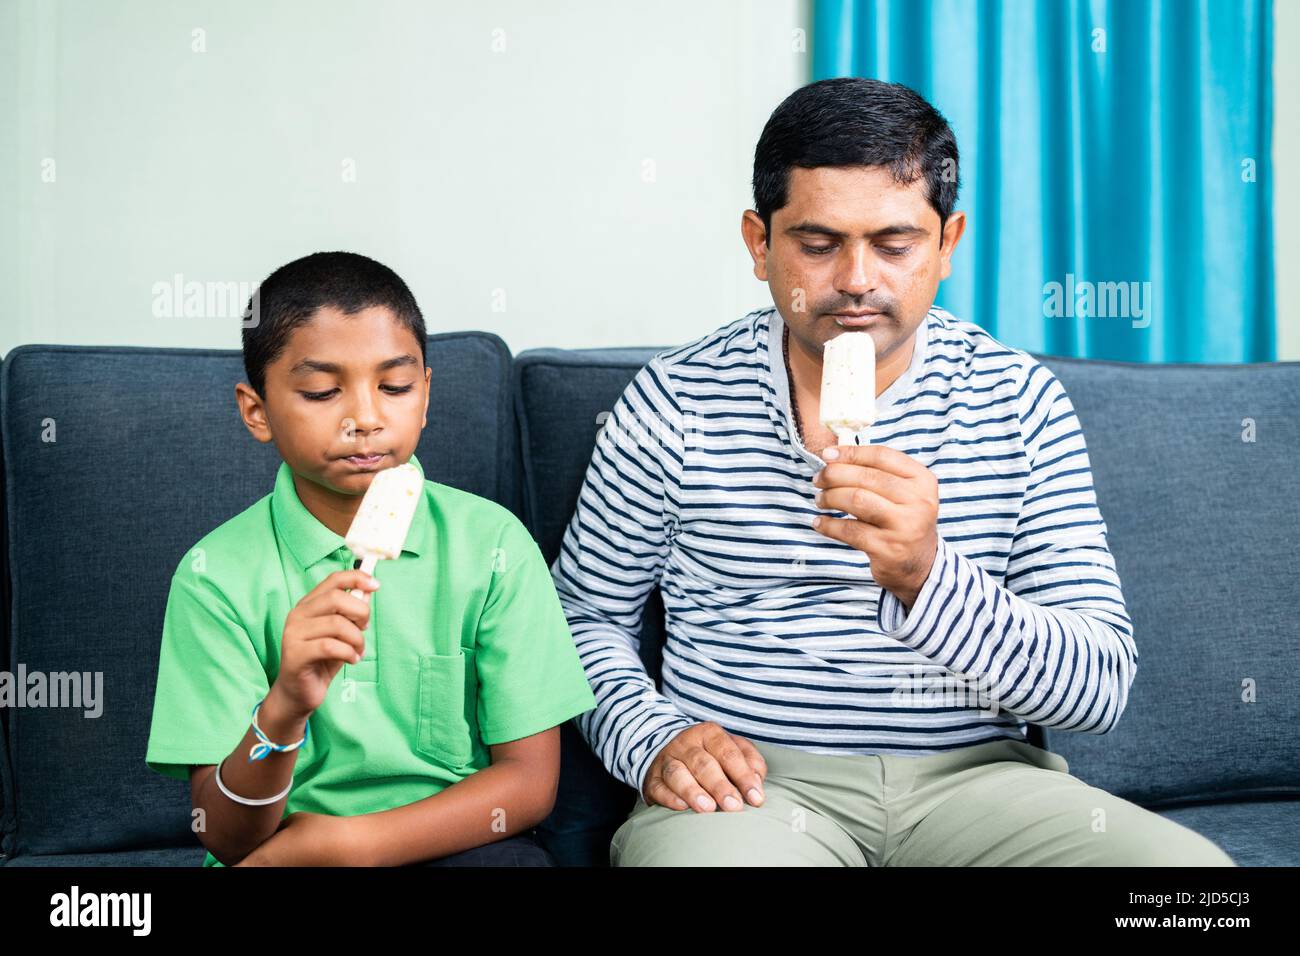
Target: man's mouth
{"points": [[856, 318]]}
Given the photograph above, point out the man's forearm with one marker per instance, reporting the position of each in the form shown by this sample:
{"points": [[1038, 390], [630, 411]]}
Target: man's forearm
{"points": [[491, 804], [1056, 666]]}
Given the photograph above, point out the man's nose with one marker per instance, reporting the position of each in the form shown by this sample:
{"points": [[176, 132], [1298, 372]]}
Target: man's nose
{"points": [[858, 273]]}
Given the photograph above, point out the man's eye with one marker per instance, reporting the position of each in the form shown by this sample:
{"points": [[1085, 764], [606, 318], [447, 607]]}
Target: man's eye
{"points": [[817, 250], [398, 389], [895, 251]]}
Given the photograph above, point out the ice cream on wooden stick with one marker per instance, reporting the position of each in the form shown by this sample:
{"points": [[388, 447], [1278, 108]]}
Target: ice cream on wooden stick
{"points": [[848, 399], [379, 529]]}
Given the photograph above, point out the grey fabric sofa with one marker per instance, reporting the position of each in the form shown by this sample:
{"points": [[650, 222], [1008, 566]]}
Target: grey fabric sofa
{"points": [[116, 459]]}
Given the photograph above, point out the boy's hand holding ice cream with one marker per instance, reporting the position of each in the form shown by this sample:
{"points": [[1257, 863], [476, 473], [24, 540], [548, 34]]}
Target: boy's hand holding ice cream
{"points": [[321, 634], [326, 628]]}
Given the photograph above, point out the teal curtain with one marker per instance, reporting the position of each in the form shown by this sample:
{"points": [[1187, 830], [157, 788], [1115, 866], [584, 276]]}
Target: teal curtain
{"points": [[1114, 161]]}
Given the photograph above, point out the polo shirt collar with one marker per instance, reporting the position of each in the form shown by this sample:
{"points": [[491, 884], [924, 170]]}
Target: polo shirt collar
{"points": [[310, 541]]}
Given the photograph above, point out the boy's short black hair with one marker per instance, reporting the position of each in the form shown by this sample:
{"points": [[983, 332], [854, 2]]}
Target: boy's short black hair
{"points": [[853, 121], [292, 294]]}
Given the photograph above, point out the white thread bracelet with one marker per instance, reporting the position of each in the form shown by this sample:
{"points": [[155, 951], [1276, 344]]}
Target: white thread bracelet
{"points": [[244, 800]]}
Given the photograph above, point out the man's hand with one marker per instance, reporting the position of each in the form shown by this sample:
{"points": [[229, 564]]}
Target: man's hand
{"points": [[895, 500], [313, 839], [702, 767]]}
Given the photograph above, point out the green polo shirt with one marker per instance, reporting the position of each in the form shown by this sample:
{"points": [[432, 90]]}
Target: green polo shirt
{"points": [[467, 646]]}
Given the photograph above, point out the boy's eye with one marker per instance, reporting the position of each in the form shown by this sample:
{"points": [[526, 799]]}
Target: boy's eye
{"points": [[321, 396], [817, 250]]}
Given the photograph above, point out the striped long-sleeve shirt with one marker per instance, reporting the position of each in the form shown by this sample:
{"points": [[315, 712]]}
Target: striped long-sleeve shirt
{"points": [[699, 483]]}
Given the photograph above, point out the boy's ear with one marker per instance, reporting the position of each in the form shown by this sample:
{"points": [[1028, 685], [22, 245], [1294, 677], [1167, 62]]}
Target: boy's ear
{"points": [[428, 376], [253, 411]]}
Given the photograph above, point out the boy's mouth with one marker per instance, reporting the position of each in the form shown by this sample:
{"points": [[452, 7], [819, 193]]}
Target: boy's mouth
{"points": [[366, 461]]}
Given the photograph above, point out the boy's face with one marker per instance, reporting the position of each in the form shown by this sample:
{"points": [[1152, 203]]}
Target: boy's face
{"points": [[344, 386]]}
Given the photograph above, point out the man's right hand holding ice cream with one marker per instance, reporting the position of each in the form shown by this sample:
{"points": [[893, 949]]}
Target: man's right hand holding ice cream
{"points": [[892, 501]]}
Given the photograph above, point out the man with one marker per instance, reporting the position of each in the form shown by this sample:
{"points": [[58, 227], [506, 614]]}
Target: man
{"points": [[857, 635]]}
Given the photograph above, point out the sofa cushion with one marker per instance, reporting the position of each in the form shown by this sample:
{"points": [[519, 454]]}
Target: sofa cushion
{"points": [[176, 856], [1204, 529], [1253, 833], [117, 460]]}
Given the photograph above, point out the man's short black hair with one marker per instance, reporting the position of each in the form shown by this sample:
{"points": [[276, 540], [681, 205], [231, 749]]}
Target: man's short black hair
{"points": [[852, 121], [292, 294]]}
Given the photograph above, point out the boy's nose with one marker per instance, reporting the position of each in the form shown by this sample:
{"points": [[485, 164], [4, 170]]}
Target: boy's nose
{"points": [[364, 418]]}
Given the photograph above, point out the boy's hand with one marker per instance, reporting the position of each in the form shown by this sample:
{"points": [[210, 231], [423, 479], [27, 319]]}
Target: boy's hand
{"points": [[313, 839], [321, 634], [702, 767]]}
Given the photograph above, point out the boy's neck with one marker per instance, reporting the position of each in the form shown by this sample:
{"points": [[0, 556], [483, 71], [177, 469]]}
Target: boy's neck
{"points": [[333, 510]]}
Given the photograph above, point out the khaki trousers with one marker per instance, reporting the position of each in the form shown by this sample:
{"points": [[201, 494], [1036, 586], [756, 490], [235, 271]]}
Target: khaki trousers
{"points": [[1000, 803]]}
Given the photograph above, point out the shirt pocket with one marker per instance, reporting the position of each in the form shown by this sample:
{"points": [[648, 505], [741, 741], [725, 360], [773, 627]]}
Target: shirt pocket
{"points": [[447, 697]]}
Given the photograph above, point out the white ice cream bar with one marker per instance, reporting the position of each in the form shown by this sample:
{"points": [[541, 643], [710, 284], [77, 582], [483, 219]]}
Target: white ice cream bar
{"points": [[381, 523], [848, 402]]}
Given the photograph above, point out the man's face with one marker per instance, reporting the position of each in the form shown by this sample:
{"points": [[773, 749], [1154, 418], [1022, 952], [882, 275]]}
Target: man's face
{"points": [[852, 240], [345, 385]]}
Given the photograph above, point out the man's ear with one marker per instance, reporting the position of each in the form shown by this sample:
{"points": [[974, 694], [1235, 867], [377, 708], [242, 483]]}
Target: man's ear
{"points": [[755, 236], [952, 230]]}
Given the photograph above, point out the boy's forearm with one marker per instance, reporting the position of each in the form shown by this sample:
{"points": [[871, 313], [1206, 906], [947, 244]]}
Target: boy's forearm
{"points": [[494, 803], [232, 830]]}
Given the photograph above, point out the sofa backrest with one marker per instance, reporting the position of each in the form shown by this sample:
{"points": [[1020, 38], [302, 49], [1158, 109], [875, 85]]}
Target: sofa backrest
{"points": [[1197, 473], [562, 397], [117, 460]]}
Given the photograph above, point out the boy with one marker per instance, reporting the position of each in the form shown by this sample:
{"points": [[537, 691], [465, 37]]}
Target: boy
{"points": [[417, 722]]}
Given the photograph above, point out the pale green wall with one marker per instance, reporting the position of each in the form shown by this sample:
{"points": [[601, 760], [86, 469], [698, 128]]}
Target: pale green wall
{"points": [[522, 171]]}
